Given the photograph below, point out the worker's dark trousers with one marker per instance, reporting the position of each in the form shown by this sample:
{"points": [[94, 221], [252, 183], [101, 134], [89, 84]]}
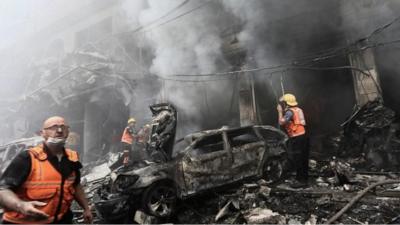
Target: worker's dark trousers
{"points": [[298, 155]]}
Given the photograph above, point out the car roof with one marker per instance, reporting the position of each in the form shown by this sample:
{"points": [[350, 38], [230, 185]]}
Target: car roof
{"points": [[27, 141], [196, 135]]}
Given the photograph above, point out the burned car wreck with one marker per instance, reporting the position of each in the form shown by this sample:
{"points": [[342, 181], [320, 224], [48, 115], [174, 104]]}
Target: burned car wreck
{"points": [[161, 134], [212, 159], [10, 150], [155, 140]]}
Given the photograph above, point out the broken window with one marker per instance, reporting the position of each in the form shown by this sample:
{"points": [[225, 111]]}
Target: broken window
{"points": [[12, 151], [212, 143], [242, 136], [271, 137]]}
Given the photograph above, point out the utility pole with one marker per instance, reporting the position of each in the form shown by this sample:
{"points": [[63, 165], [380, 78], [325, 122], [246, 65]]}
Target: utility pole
{"points": [[247, 100]]}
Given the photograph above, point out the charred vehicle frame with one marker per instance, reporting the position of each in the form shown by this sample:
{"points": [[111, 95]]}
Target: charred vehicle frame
{"points": [[213, 158]]}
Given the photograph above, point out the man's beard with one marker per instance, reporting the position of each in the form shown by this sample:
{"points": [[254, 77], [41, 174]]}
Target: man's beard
{"points": [[57, 142]]}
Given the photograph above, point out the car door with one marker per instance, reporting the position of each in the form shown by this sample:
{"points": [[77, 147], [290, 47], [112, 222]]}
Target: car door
{"points": [[207, 164], [247, 150]]}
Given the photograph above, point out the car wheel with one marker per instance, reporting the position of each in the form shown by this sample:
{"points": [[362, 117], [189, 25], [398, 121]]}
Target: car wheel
{"points": [[273, 169], [160, 199]]}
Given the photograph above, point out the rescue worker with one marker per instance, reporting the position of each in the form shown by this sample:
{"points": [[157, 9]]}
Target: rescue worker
{"points": [[291, 117], [143, 134], [40, 184], [142, 138], [127, 139]]}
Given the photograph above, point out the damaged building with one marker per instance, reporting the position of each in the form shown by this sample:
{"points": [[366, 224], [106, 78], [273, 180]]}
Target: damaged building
{"points": [[220, 65]]}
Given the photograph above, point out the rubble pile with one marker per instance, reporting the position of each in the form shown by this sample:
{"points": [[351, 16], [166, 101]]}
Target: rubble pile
{"points": [[280, 204], [373, 132], [333, 185], [336, 183], [350, 186], [371, 116]]}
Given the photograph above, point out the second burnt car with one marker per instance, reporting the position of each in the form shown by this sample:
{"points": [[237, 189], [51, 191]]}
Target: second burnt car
{"points": [[212, 159], [12, 149]]}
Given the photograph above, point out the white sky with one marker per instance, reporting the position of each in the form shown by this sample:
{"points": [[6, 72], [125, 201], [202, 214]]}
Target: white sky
{"points": [[20, 18]]}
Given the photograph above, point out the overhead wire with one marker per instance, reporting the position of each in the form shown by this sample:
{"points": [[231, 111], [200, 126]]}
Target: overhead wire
{"points": [[345, 67], [274, 67], [179, 16], [382, 28], [148, 27], [152, 25], [333, 52], [159, 18], [378, 30]]}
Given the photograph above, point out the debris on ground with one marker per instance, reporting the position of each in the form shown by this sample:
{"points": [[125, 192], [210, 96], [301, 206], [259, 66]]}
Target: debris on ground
{"points": [[348, 187], [373, 132], [264, 216]]}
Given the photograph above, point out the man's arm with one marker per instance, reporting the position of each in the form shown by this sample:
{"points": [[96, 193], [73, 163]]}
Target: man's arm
{"points": [[10, 201], [281, 118], [284, 118], [80, 197], [12, 178]]}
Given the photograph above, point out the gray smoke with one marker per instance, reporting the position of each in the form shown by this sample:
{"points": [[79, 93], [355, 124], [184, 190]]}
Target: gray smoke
{"points": [[191, 37], [365, 17], [360, 18], [269, 32], [188, 45]]}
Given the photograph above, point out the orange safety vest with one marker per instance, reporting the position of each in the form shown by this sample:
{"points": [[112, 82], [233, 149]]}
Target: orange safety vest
{"points": [[295, 127], [44, 184], [127, 137]]}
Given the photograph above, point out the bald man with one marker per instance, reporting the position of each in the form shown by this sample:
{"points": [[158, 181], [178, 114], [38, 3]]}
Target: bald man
{"points": [[40, 184]]}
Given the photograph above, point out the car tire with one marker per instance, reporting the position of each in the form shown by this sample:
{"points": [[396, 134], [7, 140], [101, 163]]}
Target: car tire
{"points": [[160, 199], [274, 169]]}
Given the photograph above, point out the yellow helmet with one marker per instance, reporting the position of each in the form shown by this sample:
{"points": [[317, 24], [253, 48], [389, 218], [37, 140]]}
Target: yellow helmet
{"points": [[289, 99], [131, 120]]}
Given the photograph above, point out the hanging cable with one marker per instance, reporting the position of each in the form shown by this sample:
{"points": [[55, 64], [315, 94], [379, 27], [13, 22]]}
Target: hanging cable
{"points": [[382, 28], [152, 25], [206, 99], [159, 18], [234, 91], [179, 16], [338, 68], [282, 87], [273, 67], [275, 94]]}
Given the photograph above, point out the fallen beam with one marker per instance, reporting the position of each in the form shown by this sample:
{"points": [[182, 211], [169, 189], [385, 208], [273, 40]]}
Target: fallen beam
{"points": [[358, 197]]}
